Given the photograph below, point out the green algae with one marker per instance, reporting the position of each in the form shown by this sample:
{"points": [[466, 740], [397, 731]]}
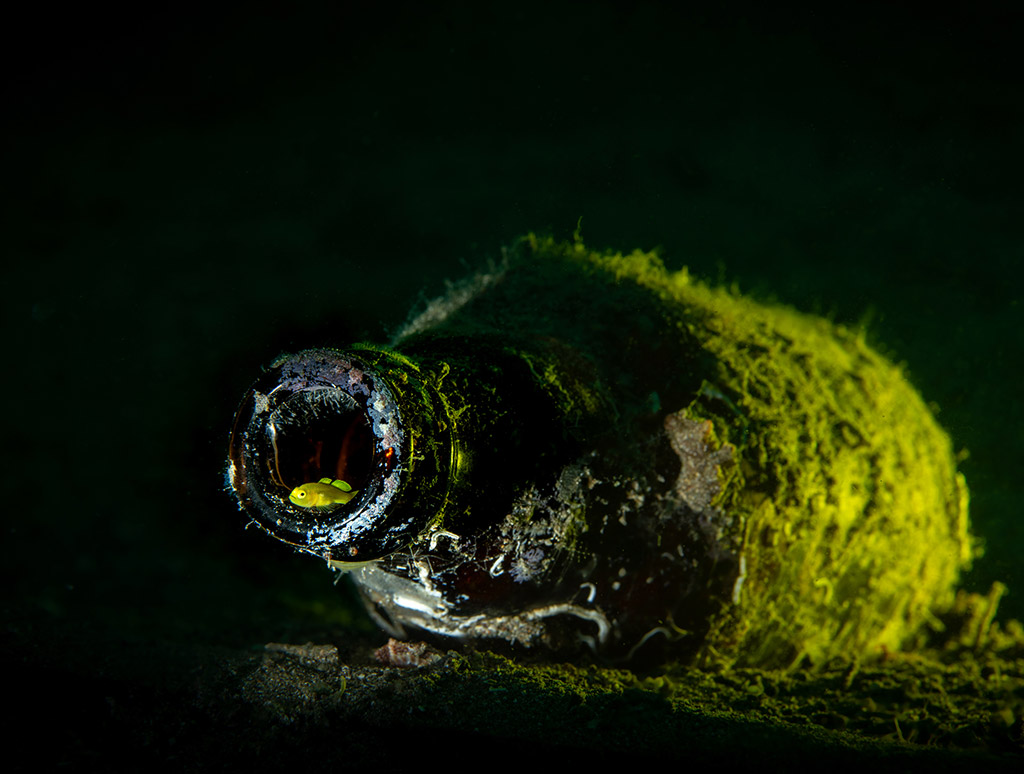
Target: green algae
{"points": [[948, 704], [846, 503]]}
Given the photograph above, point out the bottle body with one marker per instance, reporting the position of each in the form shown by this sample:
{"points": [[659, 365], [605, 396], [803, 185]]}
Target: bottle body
{"points": [[585, 450]]}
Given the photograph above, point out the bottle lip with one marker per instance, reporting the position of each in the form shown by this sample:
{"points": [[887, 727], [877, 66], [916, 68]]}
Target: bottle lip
{"points": [[321, 417]]}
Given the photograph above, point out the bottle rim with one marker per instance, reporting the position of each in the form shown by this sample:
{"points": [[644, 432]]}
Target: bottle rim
{"points": [[322, 417]]}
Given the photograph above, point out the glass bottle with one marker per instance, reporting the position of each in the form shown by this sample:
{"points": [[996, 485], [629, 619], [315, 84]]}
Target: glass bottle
{"points": [[581, 450]]}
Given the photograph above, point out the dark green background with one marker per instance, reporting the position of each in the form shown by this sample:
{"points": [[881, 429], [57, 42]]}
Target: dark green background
{"points": [[189, 192]]}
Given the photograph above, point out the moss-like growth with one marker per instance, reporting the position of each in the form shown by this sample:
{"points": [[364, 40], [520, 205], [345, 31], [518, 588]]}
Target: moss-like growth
{"points": [[846, 500]]}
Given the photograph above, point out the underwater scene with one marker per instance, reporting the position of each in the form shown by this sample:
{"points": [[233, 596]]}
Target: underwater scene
{"points": [[586, 382]]}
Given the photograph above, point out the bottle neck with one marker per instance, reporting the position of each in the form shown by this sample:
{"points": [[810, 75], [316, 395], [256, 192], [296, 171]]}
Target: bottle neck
{"points": [[426, 440]]}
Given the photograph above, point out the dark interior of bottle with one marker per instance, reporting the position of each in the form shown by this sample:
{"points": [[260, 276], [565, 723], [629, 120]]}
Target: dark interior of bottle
{"points": [[317, 434]]}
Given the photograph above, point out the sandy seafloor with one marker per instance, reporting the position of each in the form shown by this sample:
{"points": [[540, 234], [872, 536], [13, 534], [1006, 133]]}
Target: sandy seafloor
{"points": [[189, 192]]}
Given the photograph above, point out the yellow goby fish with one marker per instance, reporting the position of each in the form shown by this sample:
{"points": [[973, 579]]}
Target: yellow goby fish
{"points": [[322, 494]]}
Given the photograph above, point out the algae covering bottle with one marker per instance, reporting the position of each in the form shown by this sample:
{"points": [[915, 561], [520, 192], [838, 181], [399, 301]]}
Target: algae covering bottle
{"points": [[577, 450]]}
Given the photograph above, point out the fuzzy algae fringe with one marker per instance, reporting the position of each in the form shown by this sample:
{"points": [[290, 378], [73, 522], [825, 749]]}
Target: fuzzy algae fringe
{"points": [[846, 500]]}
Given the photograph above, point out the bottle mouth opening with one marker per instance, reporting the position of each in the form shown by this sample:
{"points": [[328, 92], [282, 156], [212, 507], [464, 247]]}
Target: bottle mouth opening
{"points": [[319, 422], [319, 433]]}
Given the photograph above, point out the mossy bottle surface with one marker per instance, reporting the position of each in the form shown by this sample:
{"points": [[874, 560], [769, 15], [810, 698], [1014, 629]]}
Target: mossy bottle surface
{"points": [[584, 450]]}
